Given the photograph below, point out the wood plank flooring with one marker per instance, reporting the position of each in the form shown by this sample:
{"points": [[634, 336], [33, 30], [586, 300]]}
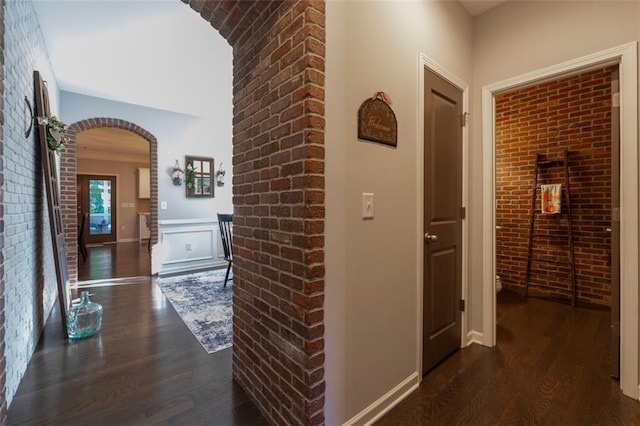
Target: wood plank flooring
{"points": [[119, 260], [145, 367], [550, 367]]}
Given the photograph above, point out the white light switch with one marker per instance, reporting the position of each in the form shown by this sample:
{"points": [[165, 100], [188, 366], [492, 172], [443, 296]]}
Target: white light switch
{"points": [[163, 205], [367, 205]]}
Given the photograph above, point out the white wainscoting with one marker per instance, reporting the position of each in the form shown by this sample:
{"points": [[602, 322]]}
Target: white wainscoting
{"points": [[187, 245]]}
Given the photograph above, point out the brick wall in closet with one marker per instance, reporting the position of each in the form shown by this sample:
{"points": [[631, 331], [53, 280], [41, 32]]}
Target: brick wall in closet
{"points": [[573, 114]]}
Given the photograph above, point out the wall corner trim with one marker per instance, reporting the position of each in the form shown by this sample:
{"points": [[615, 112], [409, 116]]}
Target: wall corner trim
{"points": [[474, 337], [386, 402]]}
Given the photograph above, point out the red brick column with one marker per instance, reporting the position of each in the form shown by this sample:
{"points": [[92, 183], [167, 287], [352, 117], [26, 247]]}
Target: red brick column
{"points": [[278, 187], [68, 178]]}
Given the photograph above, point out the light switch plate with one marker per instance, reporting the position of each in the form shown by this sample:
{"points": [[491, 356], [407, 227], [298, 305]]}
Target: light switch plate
{"points": [[367, 205], [163, 205]]}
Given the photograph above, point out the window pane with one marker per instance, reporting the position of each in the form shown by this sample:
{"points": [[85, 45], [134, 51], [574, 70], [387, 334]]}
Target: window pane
{"points": [[99, 206]]}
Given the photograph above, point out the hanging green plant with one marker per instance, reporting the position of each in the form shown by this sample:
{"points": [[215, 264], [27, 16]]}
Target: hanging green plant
{"points": [[191, 176], [55, 132]]}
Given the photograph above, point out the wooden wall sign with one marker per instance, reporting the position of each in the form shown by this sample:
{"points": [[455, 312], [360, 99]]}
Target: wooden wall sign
{"points": [[377, 121]]}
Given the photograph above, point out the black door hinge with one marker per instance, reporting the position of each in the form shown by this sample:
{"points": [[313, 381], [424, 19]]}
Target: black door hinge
{"points": [[461, 304]]}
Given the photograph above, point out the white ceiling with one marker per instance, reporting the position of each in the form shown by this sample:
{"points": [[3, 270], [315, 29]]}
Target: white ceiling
{"points": [[154, 53], [477, 7]]}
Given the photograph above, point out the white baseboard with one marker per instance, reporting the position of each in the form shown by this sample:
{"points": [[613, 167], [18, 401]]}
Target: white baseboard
{"points": [[190, 268], [474, 337], [386, 402]]}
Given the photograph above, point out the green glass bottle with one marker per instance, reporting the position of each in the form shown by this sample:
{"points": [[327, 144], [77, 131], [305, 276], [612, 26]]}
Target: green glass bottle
{"points": [[85, 319]]}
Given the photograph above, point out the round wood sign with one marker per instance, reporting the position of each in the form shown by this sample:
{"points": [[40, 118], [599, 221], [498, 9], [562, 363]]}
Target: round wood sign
{"points": [[377, 122]]}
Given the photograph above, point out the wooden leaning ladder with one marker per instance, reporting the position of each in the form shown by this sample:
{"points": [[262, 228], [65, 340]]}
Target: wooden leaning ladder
{"points": [[50, 172], [541, 163]]}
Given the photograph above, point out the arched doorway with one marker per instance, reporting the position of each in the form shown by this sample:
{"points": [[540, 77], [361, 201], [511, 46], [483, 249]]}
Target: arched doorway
{"points": [[278, 169], [278, 165], [68, 176]]}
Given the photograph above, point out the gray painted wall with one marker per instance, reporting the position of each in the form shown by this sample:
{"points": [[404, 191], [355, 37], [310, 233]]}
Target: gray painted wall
{"points": [[371, 309], [178, 135]]}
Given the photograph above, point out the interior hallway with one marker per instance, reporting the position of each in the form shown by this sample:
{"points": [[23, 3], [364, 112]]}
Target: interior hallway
{"points": [[119, 260], [550, 367]]}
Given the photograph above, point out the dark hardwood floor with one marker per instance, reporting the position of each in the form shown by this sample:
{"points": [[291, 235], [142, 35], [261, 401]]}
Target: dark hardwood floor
{"points": [[145, 367], [550, 367], [119, 260]]}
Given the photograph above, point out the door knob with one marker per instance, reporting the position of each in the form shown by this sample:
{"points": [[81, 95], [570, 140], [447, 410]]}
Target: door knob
{"points": [[607, 229], [430, 238]]}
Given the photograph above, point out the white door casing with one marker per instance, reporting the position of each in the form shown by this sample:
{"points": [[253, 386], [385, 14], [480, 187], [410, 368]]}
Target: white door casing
{"points": [[626, 58]]}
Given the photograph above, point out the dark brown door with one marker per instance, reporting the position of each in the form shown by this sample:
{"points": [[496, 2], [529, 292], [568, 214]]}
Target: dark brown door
{"points": [[97, 202], [442, 220], [614, 229]]}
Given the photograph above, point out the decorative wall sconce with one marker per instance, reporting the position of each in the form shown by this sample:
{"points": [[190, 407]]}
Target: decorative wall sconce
{"points": [[220, 175], [28, 117], [177, 174]]}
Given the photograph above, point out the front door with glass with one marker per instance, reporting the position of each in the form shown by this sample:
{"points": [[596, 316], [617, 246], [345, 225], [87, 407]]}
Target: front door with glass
{"points": [[96, 201]]}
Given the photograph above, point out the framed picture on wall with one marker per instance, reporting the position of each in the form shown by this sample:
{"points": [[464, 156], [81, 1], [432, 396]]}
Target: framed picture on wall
{"points": [[198, 177]]}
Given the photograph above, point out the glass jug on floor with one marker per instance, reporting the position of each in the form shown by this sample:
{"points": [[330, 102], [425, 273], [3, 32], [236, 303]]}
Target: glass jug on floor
{"points": [[85, 319]]}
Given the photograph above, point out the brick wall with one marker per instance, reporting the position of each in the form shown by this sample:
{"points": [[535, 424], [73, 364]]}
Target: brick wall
{"points": [[575, 114], [278, 187], [29, 273], [68, 177], [3, 360]]}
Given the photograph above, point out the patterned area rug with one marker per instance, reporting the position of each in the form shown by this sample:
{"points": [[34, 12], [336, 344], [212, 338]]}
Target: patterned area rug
{"points": [[204, 305]]}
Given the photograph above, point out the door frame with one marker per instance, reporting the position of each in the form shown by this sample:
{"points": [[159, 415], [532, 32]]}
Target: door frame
{"points": [[425, 62], [117, 200], [625, 56]]}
